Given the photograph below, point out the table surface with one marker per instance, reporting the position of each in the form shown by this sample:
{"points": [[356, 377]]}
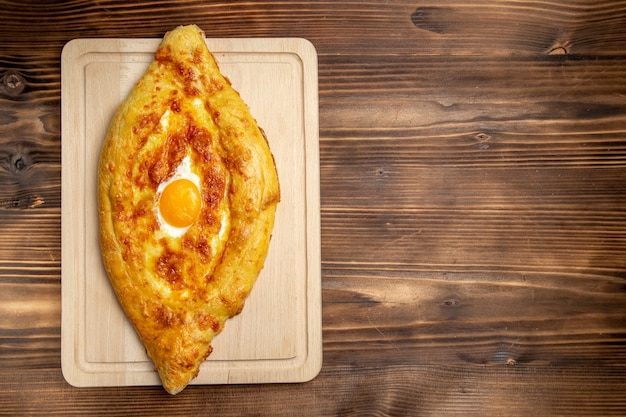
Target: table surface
{"points": [[473, 206]]}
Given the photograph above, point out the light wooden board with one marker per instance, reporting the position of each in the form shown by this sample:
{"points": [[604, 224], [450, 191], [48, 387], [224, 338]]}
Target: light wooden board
{"points": [[277, 337]]}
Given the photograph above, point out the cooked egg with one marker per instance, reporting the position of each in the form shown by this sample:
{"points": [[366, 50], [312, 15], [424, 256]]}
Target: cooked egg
{"points": [[179, 200]]}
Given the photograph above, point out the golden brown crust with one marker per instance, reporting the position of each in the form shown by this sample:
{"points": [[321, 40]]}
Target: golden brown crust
{"points": [[178, 292]]}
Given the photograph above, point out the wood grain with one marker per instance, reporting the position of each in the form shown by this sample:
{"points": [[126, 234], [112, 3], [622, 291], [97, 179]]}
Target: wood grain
{"points": [[473, 173], [432, 390]]}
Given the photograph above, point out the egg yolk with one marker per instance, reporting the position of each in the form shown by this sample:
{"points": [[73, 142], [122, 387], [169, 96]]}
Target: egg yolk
{"points": [[180, 203]]}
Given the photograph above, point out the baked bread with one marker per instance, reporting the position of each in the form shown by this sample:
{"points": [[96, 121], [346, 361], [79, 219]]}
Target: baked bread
{"points": [[187, 193]]}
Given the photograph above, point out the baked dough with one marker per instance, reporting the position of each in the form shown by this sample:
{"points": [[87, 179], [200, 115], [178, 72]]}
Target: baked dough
{"points": [[178, 284]]}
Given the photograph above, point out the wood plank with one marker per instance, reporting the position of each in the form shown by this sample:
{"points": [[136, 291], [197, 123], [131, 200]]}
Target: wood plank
{"points": [[483, 317], [449, 390], [432, 28], [414, 97]]}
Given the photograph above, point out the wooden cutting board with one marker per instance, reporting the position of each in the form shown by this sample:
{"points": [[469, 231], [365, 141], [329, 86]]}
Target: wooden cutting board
{"points": [[277, 337]]}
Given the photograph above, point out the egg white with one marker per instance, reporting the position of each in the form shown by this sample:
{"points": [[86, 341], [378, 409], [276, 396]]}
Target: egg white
{"points": [[182, 171]]}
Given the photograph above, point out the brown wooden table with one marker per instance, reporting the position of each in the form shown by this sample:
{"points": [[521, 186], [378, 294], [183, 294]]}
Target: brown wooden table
{"points": [[473, 206]]}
